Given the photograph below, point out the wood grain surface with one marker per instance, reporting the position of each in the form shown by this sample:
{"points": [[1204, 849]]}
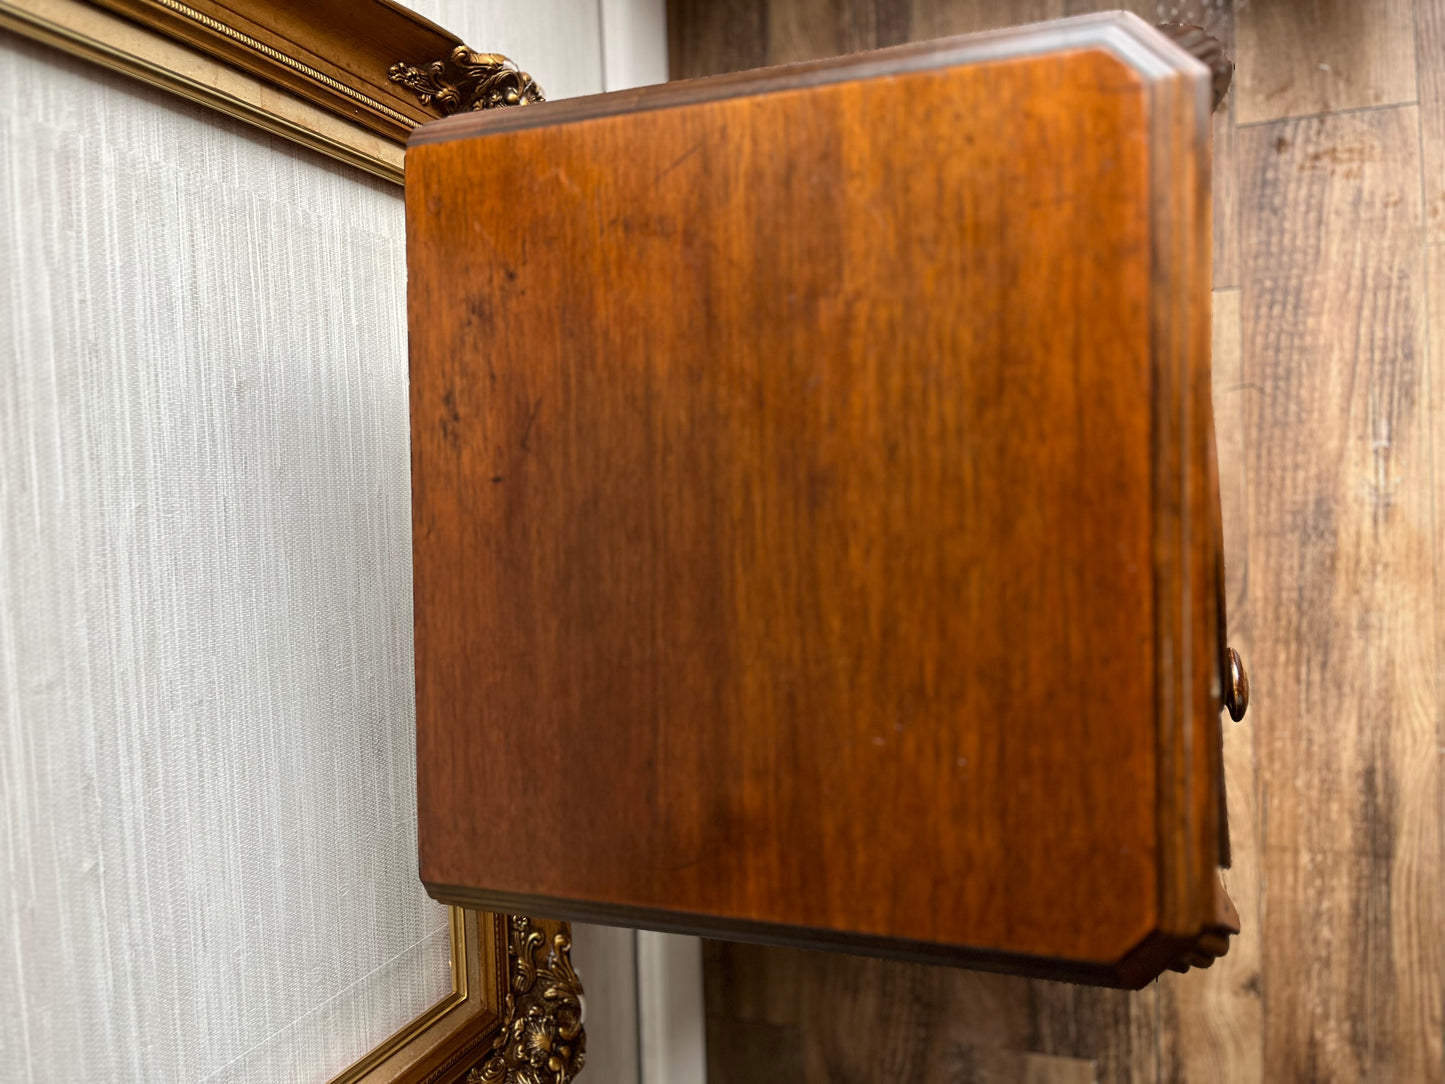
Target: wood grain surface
{"points": [[708, 38], [1337, 973], [1211, 1026], [1340, 461], [1323, 57], [814, 531], [1430, 73]]}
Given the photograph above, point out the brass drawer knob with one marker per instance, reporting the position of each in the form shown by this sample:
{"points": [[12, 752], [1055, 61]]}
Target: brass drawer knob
{"points": [[1236, 689]]}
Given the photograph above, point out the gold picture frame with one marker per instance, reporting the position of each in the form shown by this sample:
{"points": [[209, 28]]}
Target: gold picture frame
{"points": [[316, 75], [473, 1006], [515, 1011], [348, 78]]}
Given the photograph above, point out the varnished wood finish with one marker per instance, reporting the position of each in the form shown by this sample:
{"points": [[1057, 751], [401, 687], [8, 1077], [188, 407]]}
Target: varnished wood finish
{"points": [[814, 527], [712, 38], [1337, 973]]}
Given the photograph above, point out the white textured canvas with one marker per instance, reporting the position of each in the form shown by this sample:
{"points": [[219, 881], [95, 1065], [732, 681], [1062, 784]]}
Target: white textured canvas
{"points": [[207, 805]]}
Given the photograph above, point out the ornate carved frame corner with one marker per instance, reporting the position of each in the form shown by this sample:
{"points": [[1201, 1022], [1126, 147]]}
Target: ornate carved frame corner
{"points": [[542, 1039], [466, 80], [350, 78]]}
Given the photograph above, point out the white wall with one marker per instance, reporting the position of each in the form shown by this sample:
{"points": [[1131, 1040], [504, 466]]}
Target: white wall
{"points": [[559, 42], [634, 43], [207, 813]]}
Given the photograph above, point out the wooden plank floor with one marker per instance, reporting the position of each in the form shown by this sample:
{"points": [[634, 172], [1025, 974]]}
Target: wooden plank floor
{"points": [[1329, 330]]}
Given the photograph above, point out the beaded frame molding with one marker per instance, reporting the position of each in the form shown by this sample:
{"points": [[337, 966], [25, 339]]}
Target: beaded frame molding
{"points": [[349, 78]]}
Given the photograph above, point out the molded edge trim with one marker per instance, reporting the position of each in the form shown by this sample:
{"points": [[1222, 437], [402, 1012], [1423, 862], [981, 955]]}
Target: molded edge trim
{"points": [[1126, 36], [1136, 968]]}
